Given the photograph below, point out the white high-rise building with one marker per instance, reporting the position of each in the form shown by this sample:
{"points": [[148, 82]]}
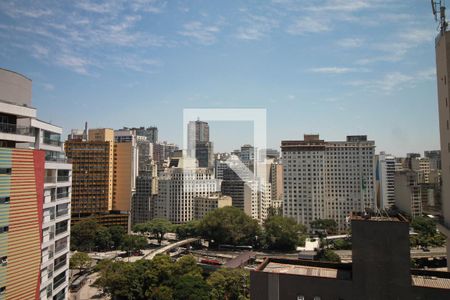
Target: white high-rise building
{"points": [[327, 180], [178, 185], [386, 178]]}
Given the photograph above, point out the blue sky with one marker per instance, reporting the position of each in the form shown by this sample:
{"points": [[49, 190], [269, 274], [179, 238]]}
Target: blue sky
{"points": [[333, 67]]}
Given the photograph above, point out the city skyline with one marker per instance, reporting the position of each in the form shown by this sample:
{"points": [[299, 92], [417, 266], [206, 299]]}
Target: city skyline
{"points": [[315, 68]]}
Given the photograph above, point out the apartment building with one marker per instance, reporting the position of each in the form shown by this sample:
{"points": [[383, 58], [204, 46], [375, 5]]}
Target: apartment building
{"points": [[327, 180], [422, 166], [34, 198], [408, 193]]}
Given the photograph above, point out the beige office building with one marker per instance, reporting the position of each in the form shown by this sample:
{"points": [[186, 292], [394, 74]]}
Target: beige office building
{"points": [[204, 205]]}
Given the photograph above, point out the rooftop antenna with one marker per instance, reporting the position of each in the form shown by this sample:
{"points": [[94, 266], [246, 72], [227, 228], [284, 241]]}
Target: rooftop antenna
{"points": [[439, 6]]}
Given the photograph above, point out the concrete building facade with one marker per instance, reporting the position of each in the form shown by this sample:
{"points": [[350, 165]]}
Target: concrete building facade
{"points": [[442, 46], [204, 205], [178, 185], [327, 180], [408, 193]]}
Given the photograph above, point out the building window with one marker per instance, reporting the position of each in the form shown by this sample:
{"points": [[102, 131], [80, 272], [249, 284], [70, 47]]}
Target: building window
{"points": [[4, 260], [2, 290], [300, 297], [4, 229], [4, 200], [6, 171]]}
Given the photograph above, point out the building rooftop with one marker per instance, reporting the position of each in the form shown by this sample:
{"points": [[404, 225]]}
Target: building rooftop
{"points": [[380, 216], [274, 267], [301, 267]]}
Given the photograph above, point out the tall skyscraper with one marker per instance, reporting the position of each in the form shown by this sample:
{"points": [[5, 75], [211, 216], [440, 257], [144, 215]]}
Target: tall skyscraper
{"points": [[385, 176], [327, 180], [34, 198], [199, 145], [146, 184], [443, 90]]}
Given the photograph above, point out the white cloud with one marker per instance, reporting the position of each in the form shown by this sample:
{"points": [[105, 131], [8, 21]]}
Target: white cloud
{"points": [[74, 63], [395, 81], [350, 43], [256, 27], [201, 33], [341, 5], [308, 25], [396, 47], [334, 70], [48, 86]]}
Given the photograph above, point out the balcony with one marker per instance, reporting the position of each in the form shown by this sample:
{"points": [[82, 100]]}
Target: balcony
{"points": [[63, 178], [14, 129], [52, 142], [50, 179], [61, 159], [62, 212], [60, 264], [62, 195], [59, 280]]}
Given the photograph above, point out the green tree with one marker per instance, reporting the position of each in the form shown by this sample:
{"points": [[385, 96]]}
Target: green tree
{"points": [[117, 234], [328, 255], [282, 233], [329, 225], [229, 284], [133, 243], [156, 227], [187, 230], [161, 293], [191, 287], [341, 244], [229, 225], [83, 234], [103, 241], [80, 260], [427, 235]]}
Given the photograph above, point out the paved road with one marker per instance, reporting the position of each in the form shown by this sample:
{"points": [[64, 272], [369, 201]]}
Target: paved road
{"points": [[87, 291], [164, 249], [415, 253]]}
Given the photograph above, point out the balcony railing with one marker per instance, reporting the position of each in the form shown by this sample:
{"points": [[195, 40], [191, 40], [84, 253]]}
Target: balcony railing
{"points": [[62, 195], [52, 142], [63, 178], [58, 282], [56, 159], [14, 129], [62, 212], [61, 229], [60, 265], [60, 248], [50, 179]]}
